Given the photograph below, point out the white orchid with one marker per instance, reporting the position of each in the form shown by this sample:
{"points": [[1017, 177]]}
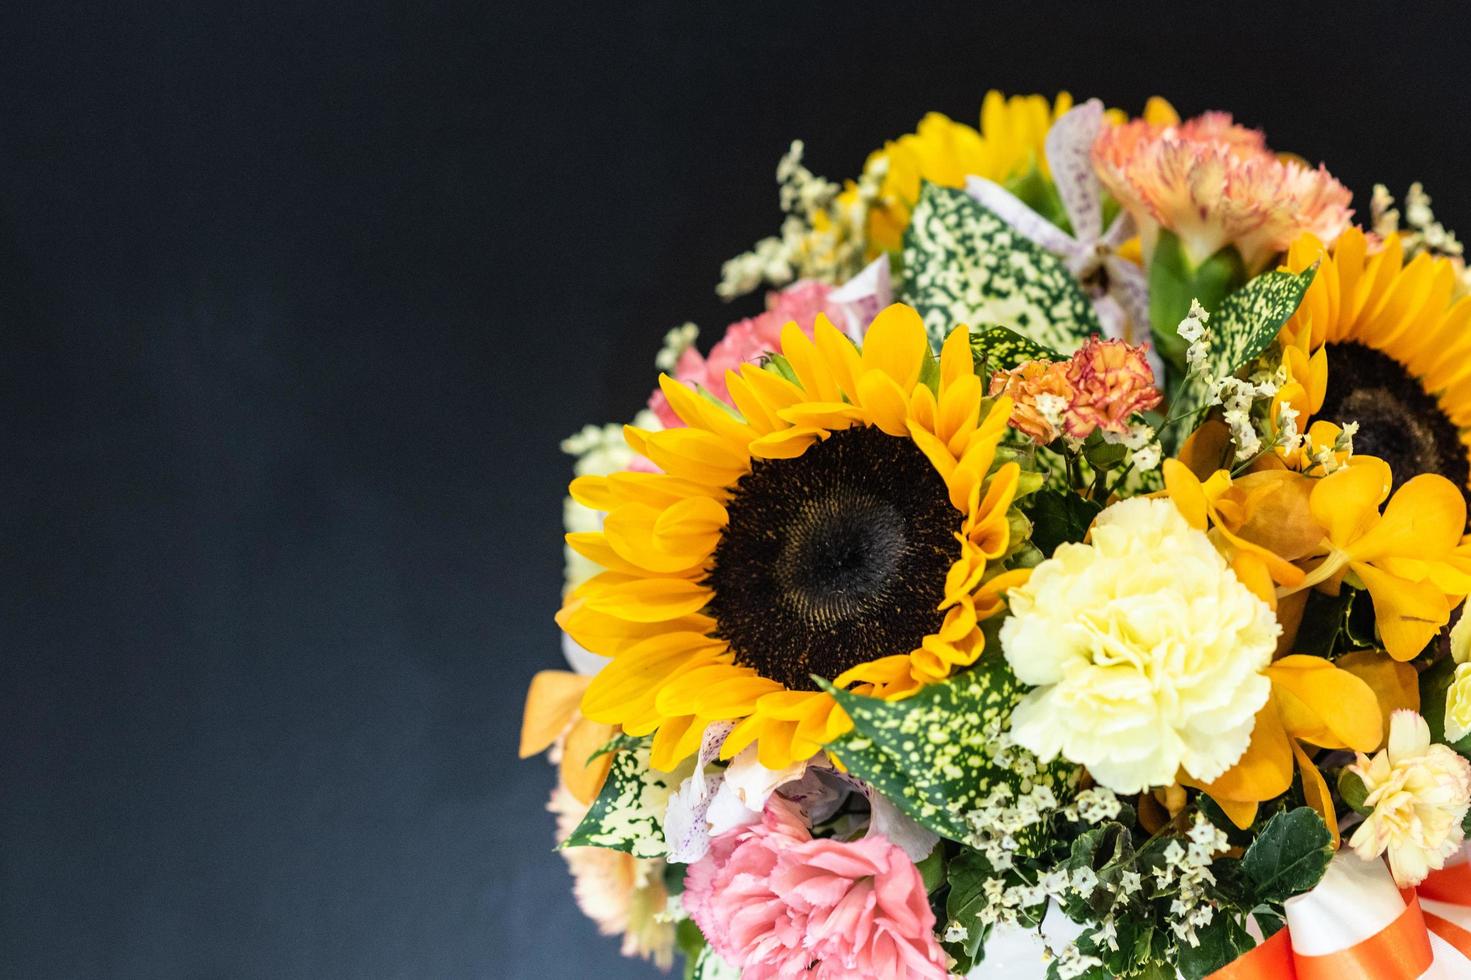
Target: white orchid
{"points": [[1117, 286]]}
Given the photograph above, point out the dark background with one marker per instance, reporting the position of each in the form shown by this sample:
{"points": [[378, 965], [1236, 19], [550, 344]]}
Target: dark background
{"points": [[297, 301]]}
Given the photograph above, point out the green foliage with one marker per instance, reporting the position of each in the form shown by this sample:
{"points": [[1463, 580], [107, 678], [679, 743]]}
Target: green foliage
{"points": [[1059, 516], [627, 814], [1174, 282], [709, 966], [1222, 940], [1243, 326], [1353, 791], [932, 754], [968, 873], [1324, 618], [692, 946], [1001, 349], [1288, 857], [963, 264]]}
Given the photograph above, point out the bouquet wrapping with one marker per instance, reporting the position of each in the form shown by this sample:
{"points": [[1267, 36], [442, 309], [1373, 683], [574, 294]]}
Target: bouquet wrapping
{"points": [[1063, 575]]}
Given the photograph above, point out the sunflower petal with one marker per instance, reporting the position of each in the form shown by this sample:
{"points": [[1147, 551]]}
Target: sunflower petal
{"points": [[895, 345]]}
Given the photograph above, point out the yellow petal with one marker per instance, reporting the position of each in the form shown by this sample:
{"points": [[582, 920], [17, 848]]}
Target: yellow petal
{"points": [[1408, 614], [811, 370], [1185, 490], [842, 358], [593, 491], [787, 443], [648, 600], [956, 359], [695, 454], [885, 402], [1324, 705], [581, 774], [1396, 685], [1424, 519], [1315, 790], [895, 345], [1346, 503], [1264, 771], [551, 705]]}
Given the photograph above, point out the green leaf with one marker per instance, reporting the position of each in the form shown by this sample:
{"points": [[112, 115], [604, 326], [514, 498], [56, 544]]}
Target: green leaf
{"points": [[963, 264], [1222, 940], [1037, 192], [932, 754], [1246, 322], [968, 873], [628, 814], [1000, 349], [1059, 516], [1289, 856], [692, 946], [1353, 791], [1174, 281], [711, 967]]}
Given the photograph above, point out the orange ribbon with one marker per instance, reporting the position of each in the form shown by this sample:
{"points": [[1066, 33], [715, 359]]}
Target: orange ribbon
{"points": [[1453, 886], [1399, 951]]}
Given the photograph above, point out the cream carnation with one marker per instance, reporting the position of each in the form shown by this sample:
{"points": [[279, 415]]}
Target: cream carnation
{"points": [[1145, 649], [1458, 704], [1419, 793]]}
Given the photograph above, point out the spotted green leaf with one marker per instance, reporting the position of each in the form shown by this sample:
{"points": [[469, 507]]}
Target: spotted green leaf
{"points": [[1245, 325], [938, 754], [627, 815], [963, 264], [1250, 318], [1000, 349]]}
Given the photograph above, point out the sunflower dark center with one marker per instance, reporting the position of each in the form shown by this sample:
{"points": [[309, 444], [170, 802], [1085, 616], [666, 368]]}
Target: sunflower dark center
{"points": [[833, 558], [1399, 421]]}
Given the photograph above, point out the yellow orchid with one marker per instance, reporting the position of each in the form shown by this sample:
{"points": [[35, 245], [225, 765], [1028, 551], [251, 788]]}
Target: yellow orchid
{"points": [[1255, 521], [551, 713], [1409, 557], [1313, 702]]}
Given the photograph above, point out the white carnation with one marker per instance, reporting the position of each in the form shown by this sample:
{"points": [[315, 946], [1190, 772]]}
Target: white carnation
{"points": [[1145, 650]]}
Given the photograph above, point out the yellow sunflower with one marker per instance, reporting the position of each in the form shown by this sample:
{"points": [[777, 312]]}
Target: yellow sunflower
{"points": [[846, 524], [1384, 344]]}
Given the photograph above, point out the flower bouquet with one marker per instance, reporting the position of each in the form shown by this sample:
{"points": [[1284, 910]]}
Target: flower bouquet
{"points": [[1061, 577]]}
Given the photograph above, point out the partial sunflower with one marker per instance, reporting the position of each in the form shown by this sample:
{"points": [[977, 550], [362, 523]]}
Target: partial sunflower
{"points": [[1383, 344], [1008, 145], [847, 524]]}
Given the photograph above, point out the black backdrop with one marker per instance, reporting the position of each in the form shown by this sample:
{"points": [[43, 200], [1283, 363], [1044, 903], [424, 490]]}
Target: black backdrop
{"points": [[297, 301]]}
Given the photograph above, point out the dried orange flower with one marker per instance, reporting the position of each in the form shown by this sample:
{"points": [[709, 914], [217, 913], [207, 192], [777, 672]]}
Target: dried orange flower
{"points": [[1111, 380], [1040, 394]]}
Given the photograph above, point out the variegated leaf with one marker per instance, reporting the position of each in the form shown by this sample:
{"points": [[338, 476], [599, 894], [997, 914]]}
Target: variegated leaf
{"points": [[1245, 325], [1000, 349], [935, 754], [963, 264], [628, 813]]}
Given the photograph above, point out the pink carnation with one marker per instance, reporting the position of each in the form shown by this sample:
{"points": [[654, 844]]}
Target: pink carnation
{"points": [[1111, 381], [746, 342], [778, 903]]}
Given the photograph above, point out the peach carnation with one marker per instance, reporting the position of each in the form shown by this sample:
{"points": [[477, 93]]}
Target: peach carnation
{"points": [[1111, 380], [1214, 183], [1040, 393], [745, 342], [622, 894], [776, 902]]}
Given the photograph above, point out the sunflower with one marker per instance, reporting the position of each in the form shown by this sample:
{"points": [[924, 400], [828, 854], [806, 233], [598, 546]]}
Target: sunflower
{"points": [[1384, 344], [848, 524]]}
